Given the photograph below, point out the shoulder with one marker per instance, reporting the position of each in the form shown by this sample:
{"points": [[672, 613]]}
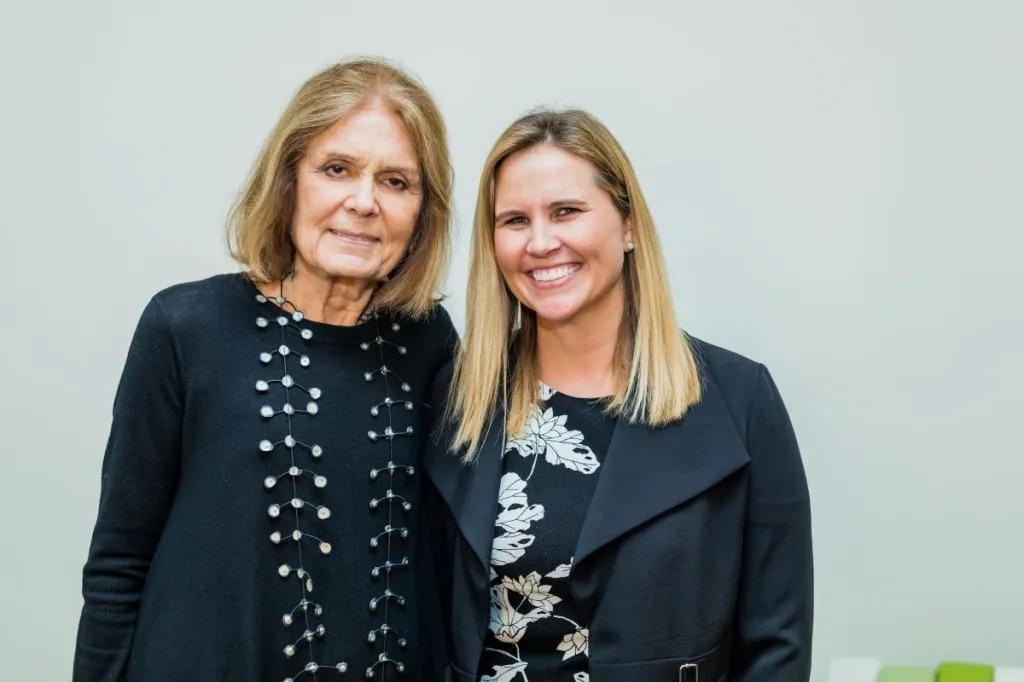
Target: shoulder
{"points": [[172, 316], [762, 420], [437, 320], [183, 304], [434, 331], [745, 385], [731, 372]]}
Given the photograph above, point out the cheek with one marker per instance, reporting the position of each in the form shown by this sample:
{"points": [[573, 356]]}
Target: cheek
{"points": [[301, 230], [400, 220], [604, 246], [314, 201], [304, 233], [507, 250], [615, 259], [612, 262], [316, 196]]}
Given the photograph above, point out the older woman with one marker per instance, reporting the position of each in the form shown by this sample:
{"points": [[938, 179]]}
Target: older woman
{"points": [[637, 509], [259, 514]]}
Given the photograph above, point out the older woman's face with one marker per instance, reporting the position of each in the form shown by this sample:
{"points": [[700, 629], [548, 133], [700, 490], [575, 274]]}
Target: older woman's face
{"points": [[358, 195], [558, 238]]}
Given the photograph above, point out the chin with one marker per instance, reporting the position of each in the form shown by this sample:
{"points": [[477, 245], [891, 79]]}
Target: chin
{"points": [[350, 267], [555, 312]]}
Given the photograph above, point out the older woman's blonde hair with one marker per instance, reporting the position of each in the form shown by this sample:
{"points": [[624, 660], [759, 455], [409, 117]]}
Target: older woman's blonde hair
{"points": [[656, 375], [259, 224]]}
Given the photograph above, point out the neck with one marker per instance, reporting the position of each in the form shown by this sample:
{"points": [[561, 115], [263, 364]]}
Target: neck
{"points": [[331, 300], [577, 356]]}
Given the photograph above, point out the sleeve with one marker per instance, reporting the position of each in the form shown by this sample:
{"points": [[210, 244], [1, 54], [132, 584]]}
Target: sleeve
{"points": [[139, 478], [438, 536], [772, 639]]}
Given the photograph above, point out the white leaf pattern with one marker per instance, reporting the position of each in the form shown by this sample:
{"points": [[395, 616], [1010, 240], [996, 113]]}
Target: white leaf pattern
{"points": [[515, 517], [519, 518], [505, 673], [546, 434], [511, 490], [573, 455], [516, 514], [562, 571], [508, 547]]}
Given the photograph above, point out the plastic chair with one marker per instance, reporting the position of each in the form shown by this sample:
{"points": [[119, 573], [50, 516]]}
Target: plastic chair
{"points": [[965, 672]]}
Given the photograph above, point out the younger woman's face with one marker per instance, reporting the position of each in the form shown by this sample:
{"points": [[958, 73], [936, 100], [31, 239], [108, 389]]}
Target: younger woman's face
{"points": [[558, 237]]}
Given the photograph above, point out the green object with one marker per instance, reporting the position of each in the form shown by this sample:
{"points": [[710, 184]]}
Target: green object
{"points": [[906, 673], [965, 672]]}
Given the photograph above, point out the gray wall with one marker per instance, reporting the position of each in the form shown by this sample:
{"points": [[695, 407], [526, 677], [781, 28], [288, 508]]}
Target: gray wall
{"points": [[838, 187]]}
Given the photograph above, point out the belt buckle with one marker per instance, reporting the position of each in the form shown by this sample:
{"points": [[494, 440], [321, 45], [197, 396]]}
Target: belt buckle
{"points": [[689, 666]]}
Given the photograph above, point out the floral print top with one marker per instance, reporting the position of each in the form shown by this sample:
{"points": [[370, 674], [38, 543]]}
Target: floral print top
{"points": [[549, 476]]}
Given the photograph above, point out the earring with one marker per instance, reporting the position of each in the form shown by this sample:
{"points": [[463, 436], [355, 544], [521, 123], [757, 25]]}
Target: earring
{"points": [[630, 245]]}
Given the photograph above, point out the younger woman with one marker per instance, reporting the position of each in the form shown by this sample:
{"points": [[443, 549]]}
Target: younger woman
{"points": [[626, 503]]}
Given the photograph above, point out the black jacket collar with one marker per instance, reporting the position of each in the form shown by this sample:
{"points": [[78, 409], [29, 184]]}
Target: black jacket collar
{"points": [[646, 472]]}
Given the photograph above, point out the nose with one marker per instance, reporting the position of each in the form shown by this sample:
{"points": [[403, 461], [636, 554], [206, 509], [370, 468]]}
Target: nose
{"points": [[543, 239], [363, 198]]}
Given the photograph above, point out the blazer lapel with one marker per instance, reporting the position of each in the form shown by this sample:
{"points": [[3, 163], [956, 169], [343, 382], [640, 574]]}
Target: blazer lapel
{"points": [[470, 490], [648, 471]]}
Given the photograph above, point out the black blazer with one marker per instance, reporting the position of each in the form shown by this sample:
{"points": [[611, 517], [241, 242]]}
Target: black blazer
{"points": [[694, 561]]}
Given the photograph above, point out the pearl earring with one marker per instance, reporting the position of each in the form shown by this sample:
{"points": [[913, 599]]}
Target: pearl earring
{"points": [[630, 245]]}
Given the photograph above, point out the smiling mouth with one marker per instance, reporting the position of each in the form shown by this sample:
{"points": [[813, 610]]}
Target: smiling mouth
{"points": [[354, 237], [554, 275]]}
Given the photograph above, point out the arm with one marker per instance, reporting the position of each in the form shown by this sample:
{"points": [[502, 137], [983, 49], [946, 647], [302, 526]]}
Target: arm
{"points": [[139, 478], [775, 610], [438, 529]]}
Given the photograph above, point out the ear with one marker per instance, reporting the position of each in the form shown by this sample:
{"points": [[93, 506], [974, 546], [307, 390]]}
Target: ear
{"points": [[627, 227]]}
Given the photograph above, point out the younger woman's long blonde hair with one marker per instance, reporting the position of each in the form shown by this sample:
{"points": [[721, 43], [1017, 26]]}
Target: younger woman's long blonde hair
{"points": [[656, 374]]}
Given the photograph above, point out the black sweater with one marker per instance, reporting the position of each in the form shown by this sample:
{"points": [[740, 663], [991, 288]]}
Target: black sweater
{"points": [[215, 518]]}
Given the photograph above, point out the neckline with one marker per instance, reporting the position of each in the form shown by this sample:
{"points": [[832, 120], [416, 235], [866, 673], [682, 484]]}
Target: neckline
{"points": [[551, 391], [322, 331]]}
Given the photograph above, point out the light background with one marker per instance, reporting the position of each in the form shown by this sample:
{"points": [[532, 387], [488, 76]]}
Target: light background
{"points": [[838, 187]]}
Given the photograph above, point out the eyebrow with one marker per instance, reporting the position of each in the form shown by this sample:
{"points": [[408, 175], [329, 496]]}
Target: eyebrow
{"points": [[556, 204], [410, 172]]}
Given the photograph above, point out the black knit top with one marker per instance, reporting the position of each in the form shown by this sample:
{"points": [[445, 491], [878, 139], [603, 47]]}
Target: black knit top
{"points": [[258, 517]]}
